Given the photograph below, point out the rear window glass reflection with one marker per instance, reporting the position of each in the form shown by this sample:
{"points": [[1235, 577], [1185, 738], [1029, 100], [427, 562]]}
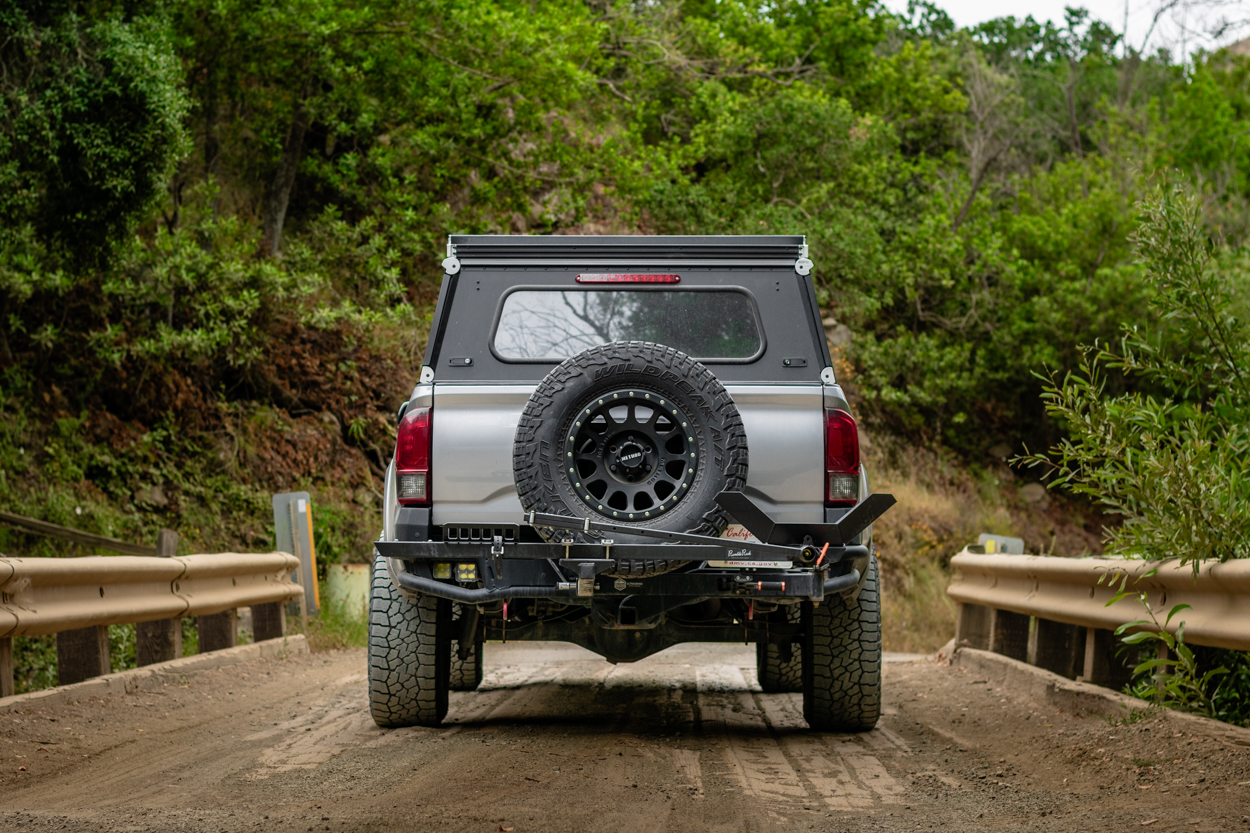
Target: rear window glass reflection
{"points": [[556, 324]]}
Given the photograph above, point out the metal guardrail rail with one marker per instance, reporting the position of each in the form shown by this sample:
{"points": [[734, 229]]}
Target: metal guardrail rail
{"points": [[50, 595], [1053, 612], [1068, 590], [78, 598]]}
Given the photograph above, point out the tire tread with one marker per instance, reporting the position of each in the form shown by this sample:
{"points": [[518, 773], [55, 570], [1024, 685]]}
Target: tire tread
{"points": [[842, 660], [466, 674], [776, 675], [409, 655]]}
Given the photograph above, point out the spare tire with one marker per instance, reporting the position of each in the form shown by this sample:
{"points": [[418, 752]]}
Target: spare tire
{"points": [[635, 433]]}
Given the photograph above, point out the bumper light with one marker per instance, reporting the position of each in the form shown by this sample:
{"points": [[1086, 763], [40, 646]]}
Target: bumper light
{"points": [[466, 572], [442, 570]]}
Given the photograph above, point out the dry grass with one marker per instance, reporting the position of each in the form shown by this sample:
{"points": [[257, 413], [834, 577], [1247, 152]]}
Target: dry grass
{"points": [[943, 506], [333, 629]]}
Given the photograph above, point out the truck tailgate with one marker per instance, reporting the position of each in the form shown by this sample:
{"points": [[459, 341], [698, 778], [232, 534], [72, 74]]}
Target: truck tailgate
{"points": [[475, 426]]}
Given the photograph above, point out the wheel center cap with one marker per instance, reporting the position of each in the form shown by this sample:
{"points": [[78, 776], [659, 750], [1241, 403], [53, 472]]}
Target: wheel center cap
{"points": [[630, 455]]}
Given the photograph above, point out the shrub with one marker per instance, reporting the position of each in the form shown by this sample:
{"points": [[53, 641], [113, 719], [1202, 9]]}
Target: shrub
{"points": [[1171, 456]]}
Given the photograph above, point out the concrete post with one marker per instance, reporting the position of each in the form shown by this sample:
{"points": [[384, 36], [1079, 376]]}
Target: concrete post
{"points": [[1009, 634], [268, 621], [82, 654], [972, 630], [161, 640], [6, 667], [218, 631], [1059, 647]]}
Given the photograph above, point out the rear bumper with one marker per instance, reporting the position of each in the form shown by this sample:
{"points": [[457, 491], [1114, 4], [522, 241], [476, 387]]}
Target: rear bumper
{"points": [[579, 571]]}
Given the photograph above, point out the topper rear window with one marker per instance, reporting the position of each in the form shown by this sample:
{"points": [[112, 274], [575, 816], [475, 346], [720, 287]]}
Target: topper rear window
{"points": [[542, 325]]}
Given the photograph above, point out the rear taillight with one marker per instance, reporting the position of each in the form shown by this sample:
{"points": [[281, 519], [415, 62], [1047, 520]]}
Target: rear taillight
{"points": [[412, 457], [841, 458]]}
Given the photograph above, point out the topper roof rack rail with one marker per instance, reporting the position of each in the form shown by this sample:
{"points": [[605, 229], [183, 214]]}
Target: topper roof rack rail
{"points": [[587, 250]]}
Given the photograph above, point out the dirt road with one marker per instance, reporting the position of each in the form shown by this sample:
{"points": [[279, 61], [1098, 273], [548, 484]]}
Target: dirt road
{"points": [[558, 739]]}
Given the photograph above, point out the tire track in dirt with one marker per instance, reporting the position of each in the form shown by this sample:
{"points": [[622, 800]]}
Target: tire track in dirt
{"points": [[557, 740]]}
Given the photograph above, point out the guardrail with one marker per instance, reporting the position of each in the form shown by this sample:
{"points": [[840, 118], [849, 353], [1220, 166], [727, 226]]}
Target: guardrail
{"points": [[1052, 612], [78, 598]]}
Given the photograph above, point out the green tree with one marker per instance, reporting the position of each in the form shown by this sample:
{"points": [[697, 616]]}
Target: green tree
{"points": [[91, 124]]}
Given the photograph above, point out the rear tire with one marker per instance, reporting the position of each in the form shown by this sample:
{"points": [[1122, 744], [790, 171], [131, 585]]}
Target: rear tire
{"points": [[409, 655], [842, 660], [777, 675], [466, 674]]}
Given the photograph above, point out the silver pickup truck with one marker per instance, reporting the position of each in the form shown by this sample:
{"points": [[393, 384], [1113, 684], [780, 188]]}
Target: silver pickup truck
{"points": [[627, 443]]}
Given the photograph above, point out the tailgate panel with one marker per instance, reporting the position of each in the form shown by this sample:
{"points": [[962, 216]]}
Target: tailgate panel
{"points": [[471, 461], [474, 429]]}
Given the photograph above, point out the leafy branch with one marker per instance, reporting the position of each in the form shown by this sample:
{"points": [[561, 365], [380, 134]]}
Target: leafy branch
{"points": [[1171, 457], [1176, 680]]}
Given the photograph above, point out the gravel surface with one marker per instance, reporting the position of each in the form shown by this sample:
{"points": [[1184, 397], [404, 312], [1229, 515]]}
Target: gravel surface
{"points": [[558, 739]]}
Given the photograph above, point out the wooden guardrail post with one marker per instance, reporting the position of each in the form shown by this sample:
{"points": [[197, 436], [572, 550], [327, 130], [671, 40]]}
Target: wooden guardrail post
{"points": [[82, 654], [218, 630], [160, 641], [1009, 634], [1059, 647], [1104, 663], [268, 621], [972, 629], [6, 667]]}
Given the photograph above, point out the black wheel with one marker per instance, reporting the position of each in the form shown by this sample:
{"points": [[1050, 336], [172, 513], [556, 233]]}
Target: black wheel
{"points": [[842, 660], [776, 672], [466, 674], [637, 433], [409, 652]]}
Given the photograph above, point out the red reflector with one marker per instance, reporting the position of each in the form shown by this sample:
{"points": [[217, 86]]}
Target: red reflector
{"points": [[628, 278]]}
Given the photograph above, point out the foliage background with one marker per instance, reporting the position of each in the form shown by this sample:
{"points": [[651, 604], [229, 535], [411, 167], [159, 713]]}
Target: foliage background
{"points": [[220, 224]]}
